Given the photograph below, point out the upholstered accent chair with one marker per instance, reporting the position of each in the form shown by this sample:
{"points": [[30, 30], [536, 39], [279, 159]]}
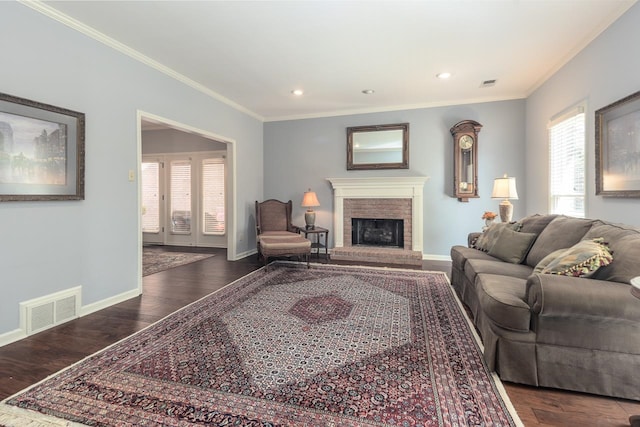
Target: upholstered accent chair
{"points": [[276, 235]]}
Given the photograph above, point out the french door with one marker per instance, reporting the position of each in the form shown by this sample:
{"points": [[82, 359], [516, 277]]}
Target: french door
{"points": [[184, 199]]}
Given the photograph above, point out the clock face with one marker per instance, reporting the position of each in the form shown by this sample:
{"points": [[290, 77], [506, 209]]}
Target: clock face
{"points": [[465, 142]]}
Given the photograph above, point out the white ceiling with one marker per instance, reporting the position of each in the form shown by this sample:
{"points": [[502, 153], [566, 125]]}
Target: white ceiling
{"points": [[252, 54]]}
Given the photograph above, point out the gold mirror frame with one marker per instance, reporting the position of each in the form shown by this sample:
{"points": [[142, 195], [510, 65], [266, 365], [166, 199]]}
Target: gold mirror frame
{"points": [[385, 147]]}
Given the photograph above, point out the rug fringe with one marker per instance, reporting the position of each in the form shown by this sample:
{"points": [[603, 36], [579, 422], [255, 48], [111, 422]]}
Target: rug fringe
{"points": [[11, 416]]}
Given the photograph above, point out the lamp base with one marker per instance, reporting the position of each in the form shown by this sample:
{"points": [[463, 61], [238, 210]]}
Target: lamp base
{"points": [[310, 218], [506, 211]]}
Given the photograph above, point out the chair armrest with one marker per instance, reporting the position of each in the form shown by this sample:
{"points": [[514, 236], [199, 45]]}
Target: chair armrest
{"points": [[294, 228], [551, 295]]}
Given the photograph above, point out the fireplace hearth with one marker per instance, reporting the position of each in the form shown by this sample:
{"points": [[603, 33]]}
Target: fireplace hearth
{"points": [[377, 232]]}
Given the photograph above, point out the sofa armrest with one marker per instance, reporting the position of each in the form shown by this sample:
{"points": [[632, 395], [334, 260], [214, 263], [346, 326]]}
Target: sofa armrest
{"points": [[472, 237], [551, 295]]}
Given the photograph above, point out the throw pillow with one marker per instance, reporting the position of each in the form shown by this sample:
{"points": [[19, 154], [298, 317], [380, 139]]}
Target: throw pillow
{"points": [[547, 260], [581, 260], [487, 239], [512, 246]]}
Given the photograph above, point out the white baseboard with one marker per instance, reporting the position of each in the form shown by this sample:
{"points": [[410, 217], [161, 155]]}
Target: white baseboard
{"points": [[244, 254], [108, 302], [430, 257], [13, 336], [18, 334]]}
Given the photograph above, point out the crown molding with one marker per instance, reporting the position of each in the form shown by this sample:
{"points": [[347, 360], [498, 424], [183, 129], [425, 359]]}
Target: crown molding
{"points": [[74, 24], [384, 109]]}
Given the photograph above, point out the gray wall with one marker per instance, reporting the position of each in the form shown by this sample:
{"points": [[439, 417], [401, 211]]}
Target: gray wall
{"points": [[303, 153], [50, 246], [604, 72]]}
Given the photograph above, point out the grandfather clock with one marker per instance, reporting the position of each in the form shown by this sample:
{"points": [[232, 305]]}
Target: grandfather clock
{"points": [[465, 159]]}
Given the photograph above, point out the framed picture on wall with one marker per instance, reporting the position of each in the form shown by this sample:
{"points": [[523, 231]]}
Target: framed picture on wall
{"points": [[618, 148], [41, 151]]}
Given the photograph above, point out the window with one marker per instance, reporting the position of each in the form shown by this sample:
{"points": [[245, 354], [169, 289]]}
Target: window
{"points": [[151, 197], [567, 164], [213, 206]]}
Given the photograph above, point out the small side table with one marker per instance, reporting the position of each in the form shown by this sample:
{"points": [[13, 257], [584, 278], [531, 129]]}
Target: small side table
{"points": [[634, 420], [318, 243]]}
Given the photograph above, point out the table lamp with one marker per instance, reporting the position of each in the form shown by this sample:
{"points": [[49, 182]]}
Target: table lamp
{"points": [[505, 188], [309, 201]]}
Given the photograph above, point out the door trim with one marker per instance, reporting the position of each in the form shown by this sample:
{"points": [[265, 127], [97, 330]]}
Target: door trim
{"points": [[232, 192]]}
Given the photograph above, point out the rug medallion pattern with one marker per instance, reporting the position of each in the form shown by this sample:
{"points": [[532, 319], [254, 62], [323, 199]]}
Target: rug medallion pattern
{"points": [[332, 345]]}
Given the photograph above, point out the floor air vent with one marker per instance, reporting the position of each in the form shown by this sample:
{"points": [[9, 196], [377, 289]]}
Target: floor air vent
{"points": [[50, 310]]}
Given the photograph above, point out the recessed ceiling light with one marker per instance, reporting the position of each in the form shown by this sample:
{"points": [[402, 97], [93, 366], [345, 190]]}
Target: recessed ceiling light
{"points": [[368, 91], [443, 76], [297, 92]]}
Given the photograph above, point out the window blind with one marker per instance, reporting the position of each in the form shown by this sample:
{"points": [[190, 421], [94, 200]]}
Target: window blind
{"points": [[213, 213], [150, 197], [567, 164], [180, 197]]}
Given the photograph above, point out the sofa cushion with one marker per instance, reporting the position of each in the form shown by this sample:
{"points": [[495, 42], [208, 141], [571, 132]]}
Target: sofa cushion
{"points": [[512, 246], [626, 260], [609, 232], [503, 300], [460, 254], [473, 267], [580, 260], [487, 239], [536, 223], [562, 232]]}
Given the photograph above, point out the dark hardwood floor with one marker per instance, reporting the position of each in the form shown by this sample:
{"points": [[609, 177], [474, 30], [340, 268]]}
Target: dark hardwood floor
{"points": [[32, 359]]}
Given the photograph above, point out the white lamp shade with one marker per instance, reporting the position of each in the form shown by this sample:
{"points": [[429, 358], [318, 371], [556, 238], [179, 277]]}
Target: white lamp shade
{"points": [[310, 199], [504, 188]]}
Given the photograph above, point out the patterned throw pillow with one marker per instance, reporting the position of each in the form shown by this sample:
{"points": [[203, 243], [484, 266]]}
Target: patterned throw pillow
{"points": [[547, 260], [581, 260], [487, 239]]}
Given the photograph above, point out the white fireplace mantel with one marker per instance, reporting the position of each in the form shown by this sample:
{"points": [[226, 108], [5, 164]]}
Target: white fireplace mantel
{"points": [[380, 188]]}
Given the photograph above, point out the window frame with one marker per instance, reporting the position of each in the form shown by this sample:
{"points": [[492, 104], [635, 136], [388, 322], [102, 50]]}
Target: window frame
{"points": [[571, 114]]}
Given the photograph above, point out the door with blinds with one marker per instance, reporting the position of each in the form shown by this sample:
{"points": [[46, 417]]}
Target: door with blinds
{"points": [[152, 178], [193, 203]]}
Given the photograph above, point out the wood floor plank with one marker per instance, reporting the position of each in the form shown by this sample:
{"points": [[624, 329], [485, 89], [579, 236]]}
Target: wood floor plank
{"points": [[32, 359]]}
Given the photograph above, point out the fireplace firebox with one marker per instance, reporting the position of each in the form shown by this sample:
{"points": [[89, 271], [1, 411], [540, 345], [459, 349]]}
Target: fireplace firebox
{"points": [[377, 232]]}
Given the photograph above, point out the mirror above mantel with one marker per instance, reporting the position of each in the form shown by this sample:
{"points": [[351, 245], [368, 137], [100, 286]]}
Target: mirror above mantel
{"points": [[378, 147]]}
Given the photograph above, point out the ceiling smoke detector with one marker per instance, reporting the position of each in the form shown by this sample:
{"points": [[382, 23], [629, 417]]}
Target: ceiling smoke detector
{"points": [[488, 83]]}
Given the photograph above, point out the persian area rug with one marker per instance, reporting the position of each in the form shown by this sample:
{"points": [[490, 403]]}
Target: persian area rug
{"points": [[155, 260], [326, 346]]}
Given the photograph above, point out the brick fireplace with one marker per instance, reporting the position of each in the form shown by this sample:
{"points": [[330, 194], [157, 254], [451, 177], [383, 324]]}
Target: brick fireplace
{"points": [[379, 198]]}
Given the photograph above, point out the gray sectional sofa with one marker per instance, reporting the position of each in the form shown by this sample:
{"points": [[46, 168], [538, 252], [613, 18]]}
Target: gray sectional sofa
{"points": [[555, 330]]}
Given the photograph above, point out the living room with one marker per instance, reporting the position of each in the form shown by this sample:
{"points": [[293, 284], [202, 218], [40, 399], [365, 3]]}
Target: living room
{"points": [[95, 243]]}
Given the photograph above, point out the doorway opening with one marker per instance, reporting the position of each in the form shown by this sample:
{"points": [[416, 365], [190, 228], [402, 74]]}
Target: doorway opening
{"points": [[191, 196]]}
